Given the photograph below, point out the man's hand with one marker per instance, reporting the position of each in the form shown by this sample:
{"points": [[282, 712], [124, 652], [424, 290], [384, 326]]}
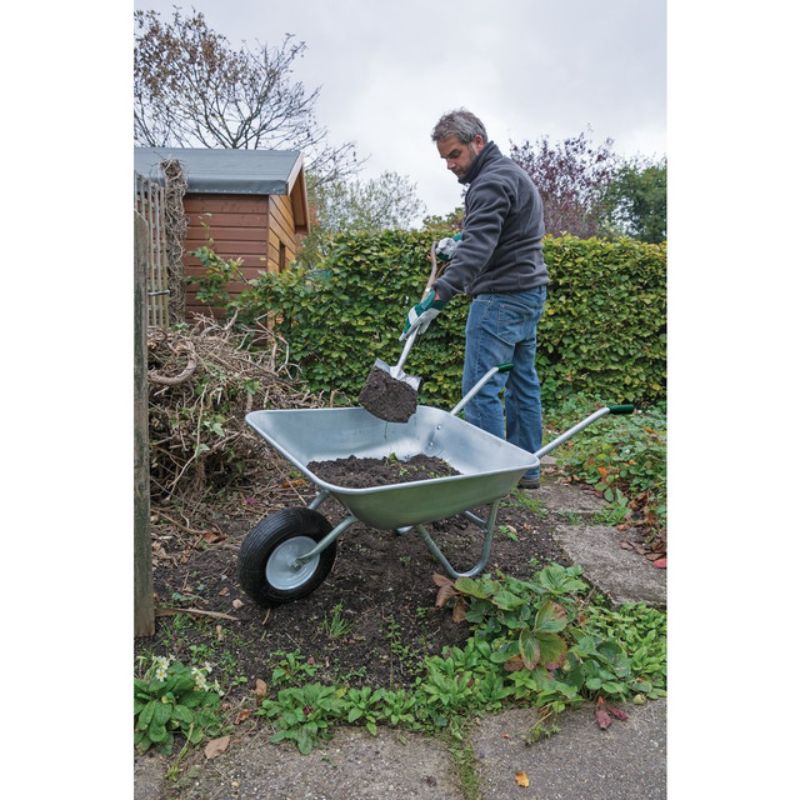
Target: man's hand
{"points": [[422, 314]]}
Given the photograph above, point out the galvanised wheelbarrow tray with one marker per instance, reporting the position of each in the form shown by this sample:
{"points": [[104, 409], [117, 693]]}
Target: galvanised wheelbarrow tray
{"points": [[290, 552]]}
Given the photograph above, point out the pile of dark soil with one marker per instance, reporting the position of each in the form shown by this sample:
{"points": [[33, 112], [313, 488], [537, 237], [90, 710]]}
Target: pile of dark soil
{"points": [[361, 473], [388, 398]]}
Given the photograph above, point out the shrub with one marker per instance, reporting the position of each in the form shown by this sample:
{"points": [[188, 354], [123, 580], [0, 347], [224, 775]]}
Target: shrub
{"points": [[603, 332]]}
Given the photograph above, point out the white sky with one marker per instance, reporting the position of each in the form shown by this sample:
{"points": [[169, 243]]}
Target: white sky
{"points": [[387, 71]]}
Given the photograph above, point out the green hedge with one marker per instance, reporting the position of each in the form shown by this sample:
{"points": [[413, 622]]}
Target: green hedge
{"points": [[603, 333]]}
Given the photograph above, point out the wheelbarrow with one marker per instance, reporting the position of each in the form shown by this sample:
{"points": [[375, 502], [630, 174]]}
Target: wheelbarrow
{"points": [[290, 552]]}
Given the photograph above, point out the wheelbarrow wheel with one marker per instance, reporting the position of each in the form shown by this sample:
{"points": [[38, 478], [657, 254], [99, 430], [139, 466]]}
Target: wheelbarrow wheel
{"points": [[268, 567]]}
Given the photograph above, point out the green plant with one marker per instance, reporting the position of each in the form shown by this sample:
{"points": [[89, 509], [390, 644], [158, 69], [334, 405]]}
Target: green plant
{"points": [[603, 331], [539, 642], [292, 668], [335, 626], [304, 714], [171, 698], [623, 458], [509, 531], [218, 272]]}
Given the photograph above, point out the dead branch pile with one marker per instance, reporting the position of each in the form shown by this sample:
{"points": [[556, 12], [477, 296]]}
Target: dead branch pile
{"points": [[203, 382]]}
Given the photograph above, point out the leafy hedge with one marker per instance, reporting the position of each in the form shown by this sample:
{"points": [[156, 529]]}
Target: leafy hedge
{"points": [[603, 333]]}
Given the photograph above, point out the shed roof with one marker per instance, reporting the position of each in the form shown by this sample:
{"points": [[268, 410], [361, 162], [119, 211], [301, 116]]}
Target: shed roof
{"points": [[218, 171]]}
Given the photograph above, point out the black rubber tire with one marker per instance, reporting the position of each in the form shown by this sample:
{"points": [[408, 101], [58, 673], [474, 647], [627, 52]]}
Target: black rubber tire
{"points": [[260, 543]]}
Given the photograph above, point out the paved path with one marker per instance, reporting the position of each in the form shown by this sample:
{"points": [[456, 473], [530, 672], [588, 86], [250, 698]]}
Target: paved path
{"points": [[581, 762]]}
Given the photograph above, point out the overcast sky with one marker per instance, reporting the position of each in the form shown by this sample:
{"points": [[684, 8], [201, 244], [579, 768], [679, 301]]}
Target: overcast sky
{"points": [[528, 68]]}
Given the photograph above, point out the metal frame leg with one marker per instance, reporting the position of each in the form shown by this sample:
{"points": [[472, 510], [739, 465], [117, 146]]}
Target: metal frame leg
{"points": [[488, 529]]}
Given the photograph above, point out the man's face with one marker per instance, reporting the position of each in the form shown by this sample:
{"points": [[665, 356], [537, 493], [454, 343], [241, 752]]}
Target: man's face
{"points": [[459, 156]]}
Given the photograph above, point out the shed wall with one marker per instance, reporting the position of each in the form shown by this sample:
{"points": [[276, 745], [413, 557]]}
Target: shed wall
{"points": [[242, 226]]}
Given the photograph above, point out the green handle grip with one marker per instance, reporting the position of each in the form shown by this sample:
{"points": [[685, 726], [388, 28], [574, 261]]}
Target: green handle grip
{"points": [[625, 408], [505, 367]]}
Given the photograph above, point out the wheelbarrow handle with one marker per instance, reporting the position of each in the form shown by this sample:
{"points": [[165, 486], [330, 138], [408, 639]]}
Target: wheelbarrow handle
{"points": [[479, 385], [627, 408]]}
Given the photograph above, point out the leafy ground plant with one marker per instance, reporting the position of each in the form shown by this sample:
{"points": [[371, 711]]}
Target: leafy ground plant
{"points": [[174, 698], [538, 643], [624, 459]]}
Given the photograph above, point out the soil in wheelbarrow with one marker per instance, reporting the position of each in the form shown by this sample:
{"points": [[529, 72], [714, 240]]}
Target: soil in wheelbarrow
{"points": [[371, 622], [361, 473]]}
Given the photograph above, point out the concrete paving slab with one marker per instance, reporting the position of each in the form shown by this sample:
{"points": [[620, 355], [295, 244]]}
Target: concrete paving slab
{"points": [[352, 766], [148, 776], [622, 575], [581, 762], [562, 498]]}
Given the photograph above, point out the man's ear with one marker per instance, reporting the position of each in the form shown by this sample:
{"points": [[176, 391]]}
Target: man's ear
{"points": [[479, 142]]}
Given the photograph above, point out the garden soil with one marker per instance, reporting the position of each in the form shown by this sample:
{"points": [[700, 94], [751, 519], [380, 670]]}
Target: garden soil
{"points": [[373, 619]]}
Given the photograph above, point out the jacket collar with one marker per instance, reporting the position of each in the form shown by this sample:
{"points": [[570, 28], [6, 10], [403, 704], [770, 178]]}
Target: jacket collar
{"points": [[489, 153]]}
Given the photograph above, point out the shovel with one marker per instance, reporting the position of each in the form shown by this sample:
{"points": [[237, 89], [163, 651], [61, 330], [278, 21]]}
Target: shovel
{"points": [[389, 393]]}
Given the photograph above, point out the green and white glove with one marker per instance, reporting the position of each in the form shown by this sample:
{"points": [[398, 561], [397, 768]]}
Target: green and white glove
{"points": [[422, 314]]}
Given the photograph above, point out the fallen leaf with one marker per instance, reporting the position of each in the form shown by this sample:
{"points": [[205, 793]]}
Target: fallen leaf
{"points": [[217, 746], [460, 610], [660, 563], [601, 715], [441, 580], [220, 633], [242, 716], [626, 545], [522, 779], [209, 537], [617, 712], [237, 603], [261, 688], [444, 594], [226, 590]]}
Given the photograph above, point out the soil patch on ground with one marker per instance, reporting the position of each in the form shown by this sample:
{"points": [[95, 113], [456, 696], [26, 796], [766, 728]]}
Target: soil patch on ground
{"points": [[371, 622]]}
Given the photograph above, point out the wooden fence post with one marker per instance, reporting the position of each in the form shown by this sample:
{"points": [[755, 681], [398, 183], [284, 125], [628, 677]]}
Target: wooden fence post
{"points": [[143, 608]]}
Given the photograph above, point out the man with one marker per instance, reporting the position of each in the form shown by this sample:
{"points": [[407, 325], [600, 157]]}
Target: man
{"points": [[500, 265]]}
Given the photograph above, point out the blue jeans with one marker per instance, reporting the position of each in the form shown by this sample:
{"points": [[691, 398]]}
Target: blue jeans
{"points": [[501, 328]]}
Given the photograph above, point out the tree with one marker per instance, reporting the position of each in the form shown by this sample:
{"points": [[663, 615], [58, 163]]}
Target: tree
{"points": [[350, 205], [637, 198], [192, 89], [389, 201], [573, 178]]}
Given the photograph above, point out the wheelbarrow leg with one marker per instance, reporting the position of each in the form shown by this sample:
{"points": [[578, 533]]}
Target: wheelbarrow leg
{"points": [[488, 529], [323, 543]]}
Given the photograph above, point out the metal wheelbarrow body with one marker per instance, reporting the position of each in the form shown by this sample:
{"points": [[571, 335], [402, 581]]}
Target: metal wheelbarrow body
{"points": [[289, 553]]}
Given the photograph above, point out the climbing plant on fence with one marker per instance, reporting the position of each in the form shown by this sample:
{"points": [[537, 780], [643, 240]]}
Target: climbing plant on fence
{"points": [[603, 333]]}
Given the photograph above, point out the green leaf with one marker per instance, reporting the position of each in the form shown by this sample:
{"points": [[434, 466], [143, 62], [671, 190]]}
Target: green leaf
{"points": [[472, 588], [529, 649], [553, 649], [551, 618], [507, 601]]}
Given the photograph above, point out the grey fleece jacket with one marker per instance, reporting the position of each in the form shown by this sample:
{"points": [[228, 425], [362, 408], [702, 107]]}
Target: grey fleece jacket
{"points": [[501, 248]]}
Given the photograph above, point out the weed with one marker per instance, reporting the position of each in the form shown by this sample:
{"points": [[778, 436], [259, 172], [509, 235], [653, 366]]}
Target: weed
{"points": [[534, 505], [336, 626], [509, 531], [292, 668]]}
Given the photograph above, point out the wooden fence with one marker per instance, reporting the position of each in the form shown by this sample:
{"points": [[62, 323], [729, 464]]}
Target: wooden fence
{"points": [[149, 203]]}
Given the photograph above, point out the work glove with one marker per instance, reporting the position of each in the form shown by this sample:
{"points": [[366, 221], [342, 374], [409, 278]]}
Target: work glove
{"points": [[445, 248], [422, 314]]}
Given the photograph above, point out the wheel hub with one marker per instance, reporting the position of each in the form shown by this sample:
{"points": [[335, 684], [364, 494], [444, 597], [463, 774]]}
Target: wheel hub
{"points": [[284, 571]]}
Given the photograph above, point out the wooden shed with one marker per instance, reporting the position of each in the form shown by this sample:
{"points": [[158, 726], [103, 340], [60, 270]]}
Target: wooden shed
{"points": [[252, 203]]}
